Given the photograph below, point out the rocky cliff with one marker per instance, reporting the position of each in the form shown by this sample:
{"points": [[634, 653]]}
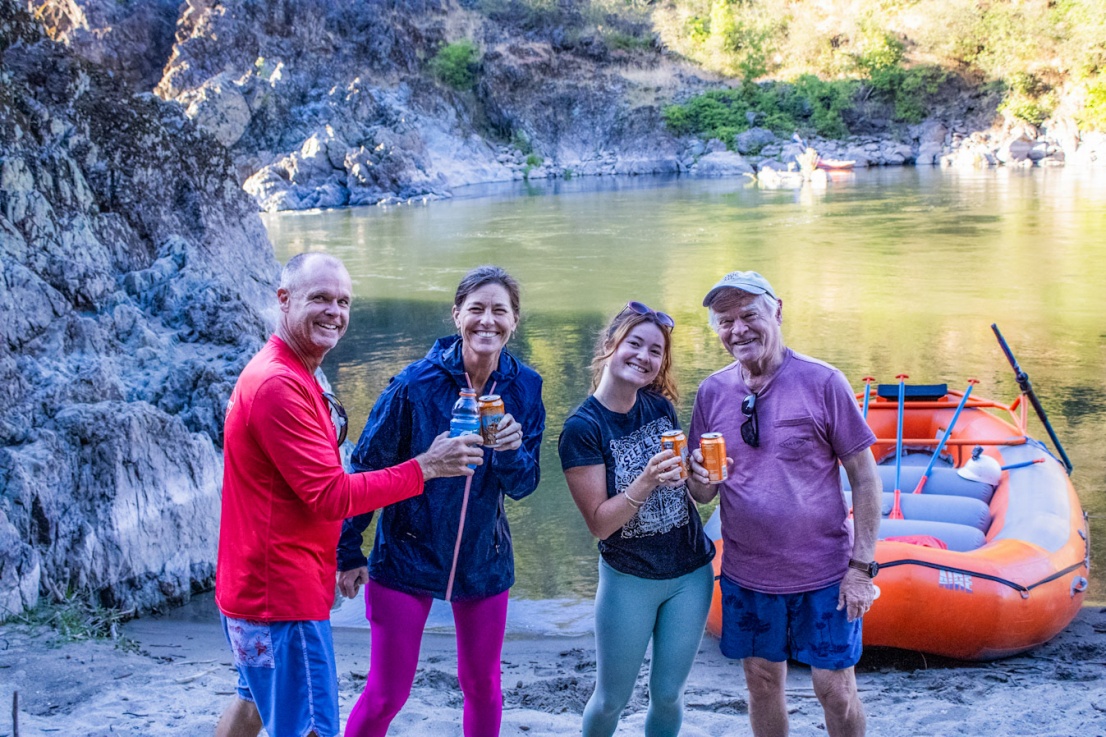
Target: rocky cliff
{"points": [[135, 280], [327, 103]]}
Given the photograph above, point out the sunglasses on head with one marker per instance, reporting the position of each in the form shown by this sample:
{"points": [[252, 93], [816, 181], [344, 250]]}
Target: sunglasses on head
{"points": [[750, 429], [343, 418], [662, 318]]}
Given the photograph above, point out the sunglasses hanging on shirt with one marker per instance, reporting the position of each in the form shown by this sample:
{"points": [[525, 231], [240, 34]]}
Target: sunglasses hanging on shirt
{"points": [[342, 423], [750, 429]]}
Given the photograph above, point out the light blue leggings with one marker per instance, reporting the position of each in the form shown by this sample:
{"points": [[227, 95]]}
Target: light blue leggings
{"points": [[628, 612]]}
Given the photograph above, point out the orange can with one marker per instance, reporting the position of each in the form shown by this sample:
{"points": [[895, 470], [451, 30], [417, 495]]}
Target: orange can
{"points": [[713, 447], [676, 441], [491, 414]]}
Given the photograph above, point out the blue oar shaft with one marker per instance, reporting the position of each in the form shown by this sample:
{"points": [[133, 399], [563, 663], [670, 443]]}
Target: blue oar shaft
{"points": [[948, 430], [1023, 464]]}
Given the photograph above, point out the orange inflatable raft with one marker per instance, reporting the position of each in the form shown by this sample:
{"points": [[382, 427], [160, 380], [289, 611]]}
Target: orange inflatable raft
{"points": [[1012, 572]]}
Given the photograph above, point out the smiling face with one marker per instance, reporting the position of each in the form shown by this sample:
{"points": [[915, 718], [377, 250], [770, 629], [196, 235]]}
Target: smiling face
{"points": [[750, 328], [314, 309], [637, 359], [485, 320]]}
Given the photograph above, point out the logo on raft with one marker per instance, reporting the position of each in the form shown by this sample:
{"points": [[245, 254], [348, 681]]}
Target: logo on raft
{"points": [[955, 581]]}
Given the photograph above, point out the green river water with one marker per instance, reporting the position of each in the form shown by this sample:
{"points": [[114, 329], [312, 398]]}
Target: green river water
{"points": [[882, 272]]}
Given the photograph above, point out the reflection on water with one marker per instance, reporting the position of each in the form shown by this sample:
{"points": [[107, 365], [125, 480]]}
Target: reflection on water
{"points": [[883, 272]]}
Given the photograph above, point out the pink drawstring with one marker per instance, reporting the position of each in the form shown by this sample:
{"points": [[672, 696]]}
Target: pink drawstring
{"points": [[461, 524], [457, 545]]}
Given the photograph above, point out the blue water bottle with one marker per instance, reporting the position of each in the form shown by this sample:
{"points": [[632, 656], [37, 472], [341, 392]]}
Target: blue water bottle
{"points": [[466, 416]]}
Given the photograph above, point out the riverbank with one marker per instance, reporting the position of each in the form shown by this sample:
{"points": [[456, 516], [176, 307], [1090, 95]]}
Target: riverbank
{"points": [[175, 677]]}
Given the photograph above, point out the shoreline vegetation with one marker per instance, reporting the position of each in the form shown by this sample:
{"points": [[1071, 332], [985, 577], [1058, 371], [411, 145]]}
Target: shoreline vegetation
{"points": [[1039, 60]]}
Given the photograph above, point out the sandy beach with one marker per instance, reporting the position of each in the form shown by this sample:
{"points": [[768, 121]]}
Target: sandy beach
{"points": [[175, 677]]}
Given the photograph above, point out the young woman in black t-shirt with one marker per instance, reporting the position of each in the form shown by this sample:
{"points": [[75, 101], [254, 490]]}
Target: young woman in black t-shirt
{"points": [[655, 578]]}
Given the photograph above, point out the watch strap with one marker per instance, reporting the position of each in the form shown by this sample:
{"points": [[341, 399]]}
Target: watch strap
{"points": [[871, 568]]}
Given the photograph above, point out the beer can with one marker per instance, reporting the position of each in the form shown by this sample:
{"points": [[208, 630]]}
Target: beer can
{"points": [[675, 440], [491, 414], [713, 447]]}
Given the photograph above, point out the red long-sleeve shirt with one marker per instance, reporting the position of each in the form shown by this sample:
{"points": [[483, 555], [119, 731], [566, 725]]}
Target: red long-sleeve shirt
{"points": [[285, 493]]}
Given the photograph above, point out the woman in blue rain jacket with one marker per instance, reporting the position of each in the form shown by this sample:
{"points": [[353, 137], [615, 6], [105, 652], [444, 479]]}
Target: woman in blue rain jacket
{"points": [[420, 553]]}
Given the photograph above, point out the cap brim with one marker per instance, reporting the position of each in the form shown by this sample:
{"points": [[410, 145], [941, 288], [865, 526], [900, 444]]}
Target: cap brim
{"points": [[747, 288]]}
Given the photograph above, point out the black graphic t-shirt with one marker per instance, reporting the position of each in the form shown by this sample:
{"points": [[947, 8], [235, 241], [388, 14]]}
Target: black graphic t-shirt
{"points": [[665, 538]]}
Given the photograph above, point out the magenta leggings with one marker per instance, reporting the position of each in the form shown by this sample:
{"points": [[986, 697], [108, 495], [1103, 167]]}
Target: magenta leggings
{"points": [[397, 620]]}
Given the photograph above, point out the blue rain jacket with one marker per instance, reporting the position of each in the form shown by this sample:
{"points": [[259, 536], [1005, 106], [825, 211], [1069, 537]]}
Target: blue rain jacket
{"points": [[415, 538]]}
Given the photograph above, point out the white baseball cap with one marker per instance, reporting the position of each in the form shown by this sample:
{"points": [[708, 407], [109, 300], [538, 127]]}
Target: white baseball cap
{"points": [[746, 281]]}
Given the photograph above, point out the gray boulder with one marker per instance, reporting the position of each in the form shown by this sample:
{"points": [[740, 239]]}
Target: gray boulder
{"points": [[1015, 149], [219, 108], [753, 140], [929, 154], [721, 164]]}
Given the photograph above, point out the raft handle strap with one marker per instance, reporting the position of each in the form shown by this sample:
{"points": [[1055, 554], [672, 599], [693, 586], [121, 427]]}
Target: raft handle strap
{"points": [[1023, 590]]}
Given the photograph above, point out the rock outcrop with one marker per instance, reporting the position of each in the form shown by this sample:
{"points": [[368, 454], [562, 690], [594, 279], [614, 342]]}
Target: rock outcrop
{"points": [[135, 281], [131, 40]]}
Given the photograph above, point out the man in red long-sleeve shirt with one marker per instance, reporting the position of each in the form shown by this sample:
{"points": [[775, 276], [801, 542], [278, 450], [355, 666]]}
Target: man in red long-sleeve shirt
{"points": [[285, 495]]}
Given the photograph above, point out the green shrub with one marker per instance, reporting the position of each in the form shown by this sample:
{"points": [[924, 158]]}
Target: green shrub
{"points": [[909, 90], [1027, 98], [455, 64], [532, 162], [886, 52], [521, 141], [1093, 116], [827, 100], [808, 104], [698, 28]]}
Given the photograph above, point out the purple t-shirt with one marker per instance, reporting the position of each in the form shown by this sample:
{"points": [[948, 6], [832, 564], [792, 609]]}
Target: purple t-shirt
{"points": [[784, 517]]}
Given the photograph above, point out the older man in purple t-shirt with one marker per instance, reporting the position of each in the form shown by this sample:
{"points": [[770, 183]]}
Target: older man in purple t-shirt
{"points": [[796, 580]]}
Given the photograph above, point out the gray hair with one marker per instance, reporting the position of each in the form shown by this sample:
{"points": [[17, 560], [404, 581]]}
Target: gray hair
{"points": [[765, 302], [293, 270]]}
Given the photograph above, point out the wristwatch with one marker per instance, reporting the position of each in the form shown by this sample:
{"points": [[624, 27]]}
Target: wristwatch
{"points": [[870, 568]]}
